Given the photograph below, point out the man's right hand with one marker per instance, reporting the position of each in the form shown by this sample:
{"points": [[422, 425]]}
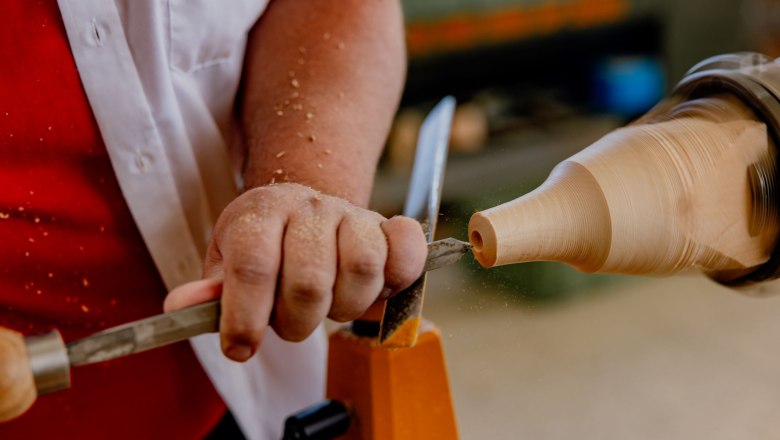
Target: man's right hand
{"points": [[288, 256]]}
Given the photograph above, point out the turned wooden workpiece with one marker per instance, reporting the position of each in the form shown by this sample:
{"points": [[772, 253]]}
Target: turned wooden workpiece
{"points": [[17, 386], [660, 196]]}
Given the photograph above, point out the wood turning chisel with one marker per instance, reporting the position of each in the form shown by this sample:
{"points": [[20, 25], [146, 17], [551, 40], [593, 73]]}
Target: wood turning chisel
{"points": [[167, 328], [40, 364], [401, 318]]}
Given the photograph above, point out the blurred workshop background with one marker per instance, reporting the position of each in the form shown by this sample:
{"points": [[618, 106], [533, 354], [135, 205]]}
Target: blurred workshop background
{"points": [[540, 351]]}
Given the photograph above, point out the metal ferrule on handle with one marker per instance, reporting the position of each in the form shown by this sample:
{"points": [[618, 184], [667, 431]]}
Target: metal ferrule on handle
{"points": [[49, 362]]}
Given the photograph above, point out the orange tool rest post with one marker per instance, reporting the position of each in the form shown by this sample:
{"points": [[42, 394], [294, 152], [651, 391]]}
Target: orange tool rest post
{"points": [[392, 393]]}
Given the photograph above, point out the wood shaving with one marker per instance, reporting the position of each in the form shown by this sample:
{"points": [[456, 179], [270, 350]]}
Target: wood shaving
{"points": [[312, 138], [278, 171], [279, 113], [295, 94], [309, 115], [328, 151], [4, 216], [319, 165], [295, 83], [280, 154]]}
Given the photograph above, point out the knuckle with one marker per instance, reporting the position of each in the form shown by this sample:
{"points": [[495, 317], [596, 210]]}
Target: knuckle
{"points": [[365, 265], [252, 271], [313, 200], [309, 290]]}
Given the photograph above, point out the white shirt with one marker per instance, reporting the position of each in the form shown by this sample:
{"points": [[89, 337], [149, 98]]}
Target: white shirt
{"points": [[161, 77]]}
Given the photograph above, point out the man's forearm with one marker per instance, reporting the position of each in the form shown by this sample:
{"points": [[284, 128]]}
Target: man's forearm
{"points": [[322, 82]]}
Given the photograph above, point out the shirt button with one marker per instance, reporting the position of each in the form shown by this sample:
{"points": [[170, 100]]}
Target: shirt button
{"points": [[96, 33], [142, 163]]}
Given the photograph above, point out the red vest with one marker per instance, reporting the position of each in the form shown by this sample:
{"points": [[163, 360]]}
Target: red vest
{"points": [[71, 256]]}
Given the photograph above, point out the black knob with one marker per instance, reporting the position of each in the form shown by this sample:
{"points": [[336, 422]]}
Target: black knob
{"points": [[323, 421]]}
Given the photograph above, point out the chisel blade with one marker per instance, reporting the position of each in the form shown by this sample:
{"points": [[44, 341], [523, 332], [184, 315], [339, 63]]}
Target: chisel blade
{"points": [[145, 334], [401, 319]]}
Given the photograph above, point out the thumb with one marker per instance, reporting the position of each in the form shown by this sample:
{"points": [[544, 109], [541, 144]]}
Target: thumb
{"points": [[192, 293]]}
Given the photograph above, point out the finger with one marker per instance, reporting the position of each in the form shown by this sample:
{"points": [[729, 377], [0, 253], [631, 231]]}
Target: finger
{"points": [[251, 256], [189, 294], [406, 254], [361, 264], [308, 270]]}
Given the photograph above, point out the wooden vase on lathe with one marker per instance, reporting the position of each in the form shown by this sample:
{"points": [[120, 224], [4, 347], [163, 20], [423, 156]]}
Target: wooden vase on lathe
{"points": [[690, 186]]}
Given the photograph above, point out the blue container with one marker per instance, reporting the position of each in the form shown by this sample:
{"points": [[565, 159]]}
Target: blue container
{"points": [[629, 85]]}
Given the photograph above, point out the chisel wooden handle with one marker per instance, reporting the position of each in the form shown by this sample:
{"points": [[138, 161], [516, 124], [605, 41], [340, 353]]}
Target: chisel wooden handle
{"points": [[29, 367], [17, 384]]}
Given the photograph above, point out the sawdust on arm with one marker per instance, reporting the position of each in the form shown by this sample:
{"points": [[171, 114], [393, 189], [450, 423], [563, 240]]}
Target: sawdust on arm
{"points": [[321, 84]]}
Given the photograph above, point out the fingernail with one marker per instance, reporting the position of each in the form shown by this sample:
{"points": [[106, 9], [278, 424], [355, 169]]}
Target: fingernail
{"points": [[385, 293], [239, 352]]}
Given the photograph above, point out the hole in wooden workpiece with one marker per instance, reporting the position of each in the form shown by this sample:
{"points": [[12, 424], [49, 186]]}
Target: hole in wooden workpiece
{"points": [[476, 241]]}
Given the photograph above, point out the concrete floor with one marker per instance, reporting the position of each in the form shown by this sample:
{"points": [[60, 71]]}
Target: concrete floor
{"points": [[675, 358]]}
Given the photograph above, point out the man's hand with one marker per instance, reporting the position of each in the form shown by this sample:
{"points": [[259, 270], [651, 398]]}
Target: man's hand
{"points": [[321, 85], [288, 256]]}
